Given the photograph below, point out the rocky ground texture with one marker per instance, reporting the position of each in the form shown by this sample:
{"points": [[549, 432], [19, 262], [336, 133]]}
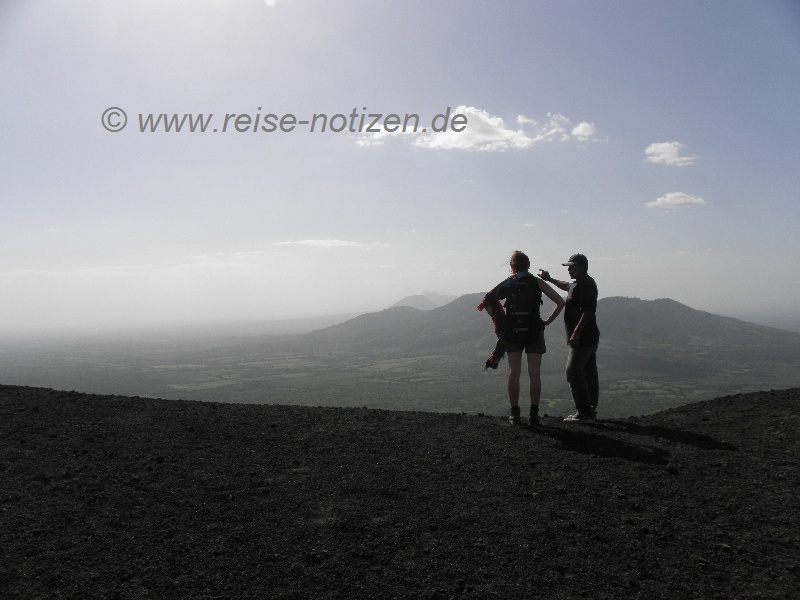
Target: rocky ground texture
{"points": [[116, 497]]}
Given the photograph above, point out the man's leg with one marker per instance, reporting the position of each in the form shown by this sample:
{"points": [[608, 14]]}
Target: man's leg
{"points": [[592, 379], [576, 376], [514, 371]]}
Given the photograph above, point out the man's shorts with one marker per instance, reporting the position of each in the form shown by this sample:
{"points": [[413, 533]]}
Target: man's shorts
{"points": [[536, 347]]}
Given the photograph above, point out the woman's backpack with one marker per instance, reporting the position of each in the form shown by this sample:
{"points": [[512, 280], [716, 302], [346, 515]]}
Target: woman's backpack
{"points": [[523, 321]]}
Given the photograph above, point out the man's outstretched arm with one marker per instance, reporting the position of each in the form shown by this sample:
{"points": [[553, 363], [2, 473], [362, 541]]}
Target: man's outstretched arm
{"points": [[545, 275]]}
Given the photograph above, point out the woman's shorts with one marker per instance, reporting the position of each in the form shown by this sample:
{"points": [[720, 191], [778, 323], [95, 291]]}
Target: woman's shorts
{"points": [[536, 347]]}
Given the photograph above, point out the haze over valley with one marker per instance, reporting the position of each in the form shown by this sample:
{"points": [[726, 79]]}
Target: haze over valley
{"points": [[652, 355]]}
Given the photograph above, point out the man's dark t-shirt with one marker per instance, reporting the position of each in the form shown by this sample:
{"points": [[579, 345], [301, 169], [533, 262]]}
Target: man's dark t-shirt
{"points": [[582, 297]]}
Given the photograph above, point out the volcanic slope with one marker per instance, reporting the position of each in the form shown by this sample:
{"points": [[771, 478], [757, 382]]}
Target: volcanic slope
{"points": [[117, 497]]}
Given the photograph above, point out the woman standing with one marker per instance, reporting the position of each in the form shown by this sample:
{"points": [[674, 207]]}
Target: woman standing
{"points": [[522, 328]]}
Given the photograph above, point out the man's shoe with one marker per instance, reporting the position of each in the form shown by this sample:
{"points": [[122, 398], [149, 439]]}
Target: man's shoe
{"points": [[515, 420], [533, 421], [579, 418]]}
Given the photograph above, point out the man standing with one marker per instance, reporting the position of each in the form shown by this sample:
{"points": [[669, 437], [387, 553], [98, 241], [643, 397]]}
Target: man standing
{"points": [[583, 336]]}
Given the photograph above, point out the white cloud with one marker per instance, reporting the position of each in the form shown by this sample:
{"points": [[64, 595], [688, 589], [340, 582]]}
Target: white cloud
{"points": [[379, 137], [81, 273], [556, 126], [483, 132], [668, 153], [224, 256], [675, 200], [487, 133], [198, 265], [321, 243], [247, 254], [584, 131]]}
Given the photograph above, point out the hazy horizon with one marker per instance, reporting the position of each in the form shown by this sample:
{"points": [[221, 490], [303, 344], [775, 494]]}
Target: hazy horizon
{"points": [[280, 326], [658, 138]]}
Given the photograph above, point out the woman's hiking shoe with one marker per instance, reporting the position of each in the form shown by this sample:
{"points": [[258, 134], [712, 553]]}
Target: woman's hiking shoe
{"points": [[533, 421], [579, 418]]}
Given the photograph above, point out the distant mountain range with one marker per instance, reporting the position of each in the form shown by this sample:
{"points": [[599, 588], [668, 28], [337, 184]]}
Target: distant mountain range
{"points": [[405, 330], [425, 301], [653, 353], [627, 325]]}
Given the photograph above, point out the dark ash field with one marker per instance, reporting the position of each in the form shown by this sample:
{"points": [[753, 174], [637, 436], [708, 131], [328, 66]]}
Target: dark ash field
{"points": [[118, 497]]}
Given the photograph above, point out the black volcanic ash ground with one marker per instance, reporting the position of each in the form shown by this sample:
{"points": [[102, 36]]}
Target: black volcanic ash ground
{"points": [[116, 497]]}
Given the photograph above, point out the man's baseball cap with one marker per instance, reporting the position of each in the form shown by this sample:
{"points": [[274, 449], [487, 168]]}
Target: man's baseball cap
{"points": [[577, 259]]}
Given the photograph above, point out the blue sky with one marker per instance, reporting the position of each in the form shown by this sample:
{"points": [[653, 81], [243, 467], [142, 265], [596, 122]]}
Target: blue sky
{"points": [[658, 138]]}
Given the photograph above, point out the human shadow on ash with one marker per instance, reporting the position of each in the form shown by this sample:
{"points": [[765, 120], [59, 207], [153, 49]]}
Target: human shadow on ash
{"points": [[585, 441], [675, 435]]}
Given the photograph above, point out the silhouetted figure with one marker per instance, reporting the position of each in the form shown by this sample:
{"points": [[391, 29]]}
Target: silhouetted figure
{"points": [[583, 336], [519, 327]]}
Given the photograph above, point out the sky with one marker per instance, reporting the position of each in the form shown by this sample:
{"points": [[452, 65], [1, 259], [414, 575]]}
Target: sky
{"points": [[658, 138]]}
